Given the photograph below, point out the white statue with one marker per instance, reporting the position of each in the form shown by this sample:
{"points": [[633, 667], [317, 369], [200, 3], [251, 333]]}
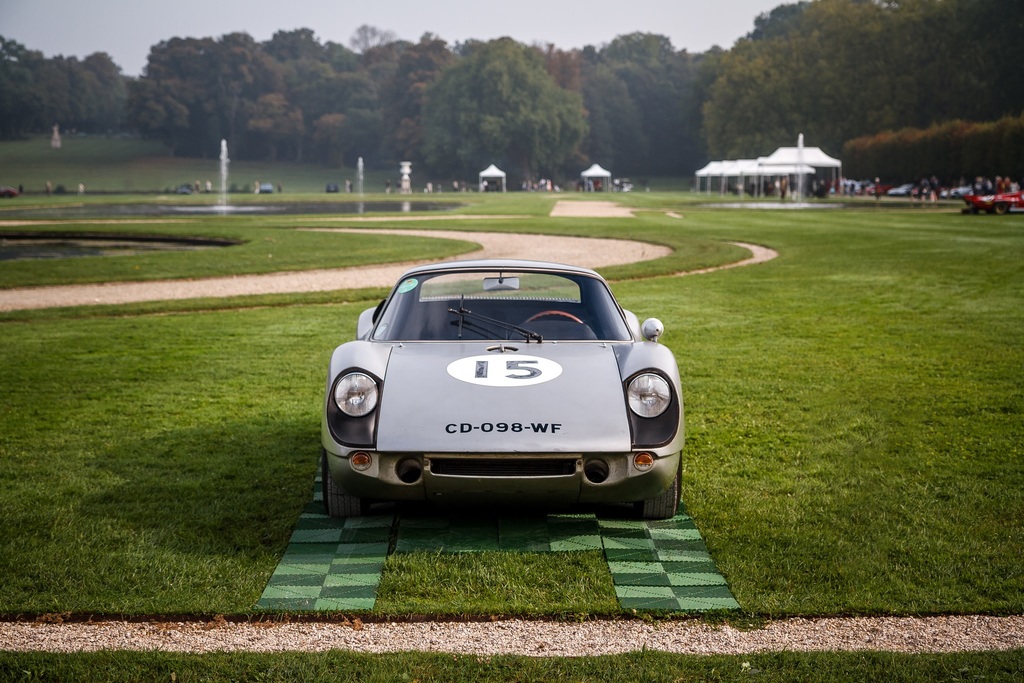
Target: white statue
{"points": [[405, 168]]}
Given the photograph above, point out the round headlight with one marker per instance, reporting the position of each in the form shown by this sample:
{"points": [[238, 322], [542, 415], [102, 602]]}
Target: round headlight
{"points": [[355, 394], [649, 395]]}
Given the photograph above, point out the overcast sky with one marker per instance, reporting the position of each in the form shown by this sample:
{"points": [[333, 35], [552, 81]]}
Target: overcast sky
{"points": [[126, 29]]}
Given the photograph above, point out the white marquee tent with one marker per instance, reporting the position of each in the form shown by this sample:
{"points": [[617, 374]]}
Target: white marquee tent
{"points": [[492, 172], [785, 161], [595, 172]]}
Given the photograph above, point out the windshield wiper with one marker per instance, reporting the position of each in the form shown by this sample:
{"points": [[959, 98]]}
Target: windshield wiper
{"points": [[464, 313]]}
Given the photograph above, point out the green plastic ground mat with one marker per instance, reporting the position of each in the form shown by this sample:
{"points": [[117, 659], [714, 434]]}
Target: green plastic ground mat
{"points": [[335, 565], [330, 564], [663, 565], [537, 533]]}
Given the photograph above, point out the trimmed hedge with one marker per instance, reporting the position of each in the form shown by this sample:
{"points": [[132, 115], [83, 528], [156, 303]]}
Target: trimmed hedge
{"points": [[949, 150]]}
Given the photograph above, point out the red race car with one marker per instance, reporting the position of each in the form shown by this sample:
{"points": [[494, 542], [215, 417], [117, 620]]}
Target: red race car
{"points": [[994, 203]]}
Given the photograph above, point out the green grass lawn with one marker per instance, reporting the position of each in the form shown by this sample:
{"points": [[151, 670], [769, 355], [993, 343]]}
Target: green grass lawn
{"points": [[639, 667], [118, 164], [854, 439], [853, 409]]}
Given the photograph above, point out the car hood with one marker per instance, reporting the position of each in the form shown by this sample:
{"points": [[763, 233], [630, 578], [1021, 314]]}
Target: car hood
{"points": [[465, 397]]}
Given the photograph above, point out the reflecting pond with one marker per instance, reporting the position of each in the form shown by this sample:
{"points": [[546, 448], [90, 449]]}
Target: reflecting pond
{"points": [[284, 208], [28, 246]]}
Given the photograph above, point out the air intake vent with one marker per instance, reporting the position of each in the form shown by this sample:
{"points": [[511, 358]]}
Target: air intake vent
{"points": [[505, 467]]}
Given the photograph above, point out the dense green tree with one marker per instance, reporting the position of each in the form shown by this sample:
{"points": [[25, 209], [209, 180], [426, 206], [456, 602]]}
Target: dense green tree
{"points": [[499, 104], [278, 123], [36, 92], [778, 21], [616, 133], [403, 97], [637, 91], [110, 92], [153, 109], [328, 136], [834, 70], [839, 69], [300, 44], [19, 100]]}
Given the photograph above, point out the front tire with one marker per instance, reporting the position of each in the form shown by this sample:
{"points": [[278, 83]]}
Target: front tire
{"points": [[666, 504], [1001, 208], [337, 502]]}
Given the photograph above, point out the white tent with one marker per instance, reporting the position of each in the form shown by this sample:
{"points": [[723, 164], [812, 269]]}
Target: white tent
{"points": [[799, 156], [731, 168], [595, 172], [492, 171], [812, 156]]}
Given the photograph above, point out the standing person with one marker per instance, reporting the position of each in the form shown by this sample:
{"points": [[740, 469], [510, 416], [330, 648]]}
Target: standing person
{"points": [[878, 189], [783, 187]]}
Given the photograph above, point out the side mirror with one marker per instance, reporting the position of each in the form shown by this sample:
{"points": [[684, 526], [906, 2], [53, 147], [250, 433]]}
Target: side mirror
{"points": [[366, 320], [652, 329]]}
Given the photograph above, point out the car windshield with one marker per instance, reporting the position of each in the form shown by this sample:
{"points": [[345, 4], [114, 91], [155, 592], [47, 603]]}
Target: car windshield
{"points": [[501, 305]]}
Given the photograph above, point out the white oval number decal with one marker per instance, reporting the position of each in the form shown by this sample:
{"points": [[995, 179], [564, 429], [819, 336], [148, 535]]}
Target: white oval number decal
{"points": [[504, 370]]}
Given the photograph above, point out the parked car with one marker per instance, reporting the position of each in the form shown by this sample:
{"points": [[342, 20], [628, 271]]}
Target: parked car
{"points": [[994, 203], [904, 190], [265, 188], [183, 189], [956, 192], [871, 189], [502, 381], [6, 191], [332, 187]]}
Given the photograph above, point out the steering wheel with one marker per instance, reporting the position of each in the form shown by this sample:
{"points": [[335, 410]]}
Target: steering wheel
{"points": [[554, 312]]}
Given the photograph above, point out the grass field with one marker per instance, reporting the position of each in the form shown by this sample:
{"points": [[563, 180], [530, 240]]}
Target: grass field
{"points": [[117, 164], [639, 667], [854, 432], [120, 164]]}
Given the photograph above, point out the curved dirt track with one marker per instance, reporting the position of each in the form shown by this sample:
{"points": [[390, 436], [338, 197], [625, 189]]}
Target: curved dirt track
{"points": [[584, 251]]}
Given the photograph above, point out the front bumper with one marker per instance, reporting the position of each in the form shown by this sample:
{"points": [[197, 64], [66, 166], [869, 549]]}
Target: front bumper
{"points": [[553, 479]]}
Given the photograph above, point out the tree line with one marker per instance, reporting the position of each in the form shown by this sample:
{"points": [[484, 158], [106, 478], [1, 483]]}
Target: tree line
{"points": [[835, 70]]}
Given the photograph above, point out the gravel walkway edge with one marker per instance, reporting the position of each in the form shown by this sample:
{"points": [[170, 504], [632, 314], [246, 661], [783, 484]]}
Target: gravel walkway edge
{"points": [[530, 638]]}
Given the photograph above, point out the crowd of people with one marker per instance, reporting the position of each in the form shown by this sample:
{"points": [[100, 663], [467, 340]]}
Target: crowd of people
{"points": [[929, 188]]}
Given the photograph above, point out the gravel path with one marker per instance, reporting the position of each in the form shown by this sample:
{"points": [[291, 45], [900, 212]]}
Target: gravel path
{"points": [[515, 636], [524, 637], [584, 251]]}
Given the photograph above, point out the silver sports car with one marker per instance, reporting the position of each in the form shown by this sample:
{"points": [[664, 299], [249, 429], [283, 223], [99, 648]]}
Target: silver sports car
{"points": [[502, 382]]}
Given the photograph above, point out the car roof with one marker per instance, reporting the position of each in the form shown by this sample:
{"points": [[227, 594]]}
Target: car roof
{"points": [[500, 264]]}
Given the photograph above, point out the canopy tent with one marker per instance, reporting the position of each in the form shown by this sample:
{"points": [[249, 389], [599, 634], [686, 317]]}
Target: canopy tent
{"points": [[812, 156], [800, 156], [731, 168], [785, 161], [593, 173], [492, 171]]}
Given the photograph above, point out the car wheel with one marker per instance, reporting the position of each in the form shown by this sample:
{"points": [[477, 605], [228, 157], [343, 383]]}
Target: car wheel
{"points": [[666, 504], [337, 502], [1001, 208]]}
